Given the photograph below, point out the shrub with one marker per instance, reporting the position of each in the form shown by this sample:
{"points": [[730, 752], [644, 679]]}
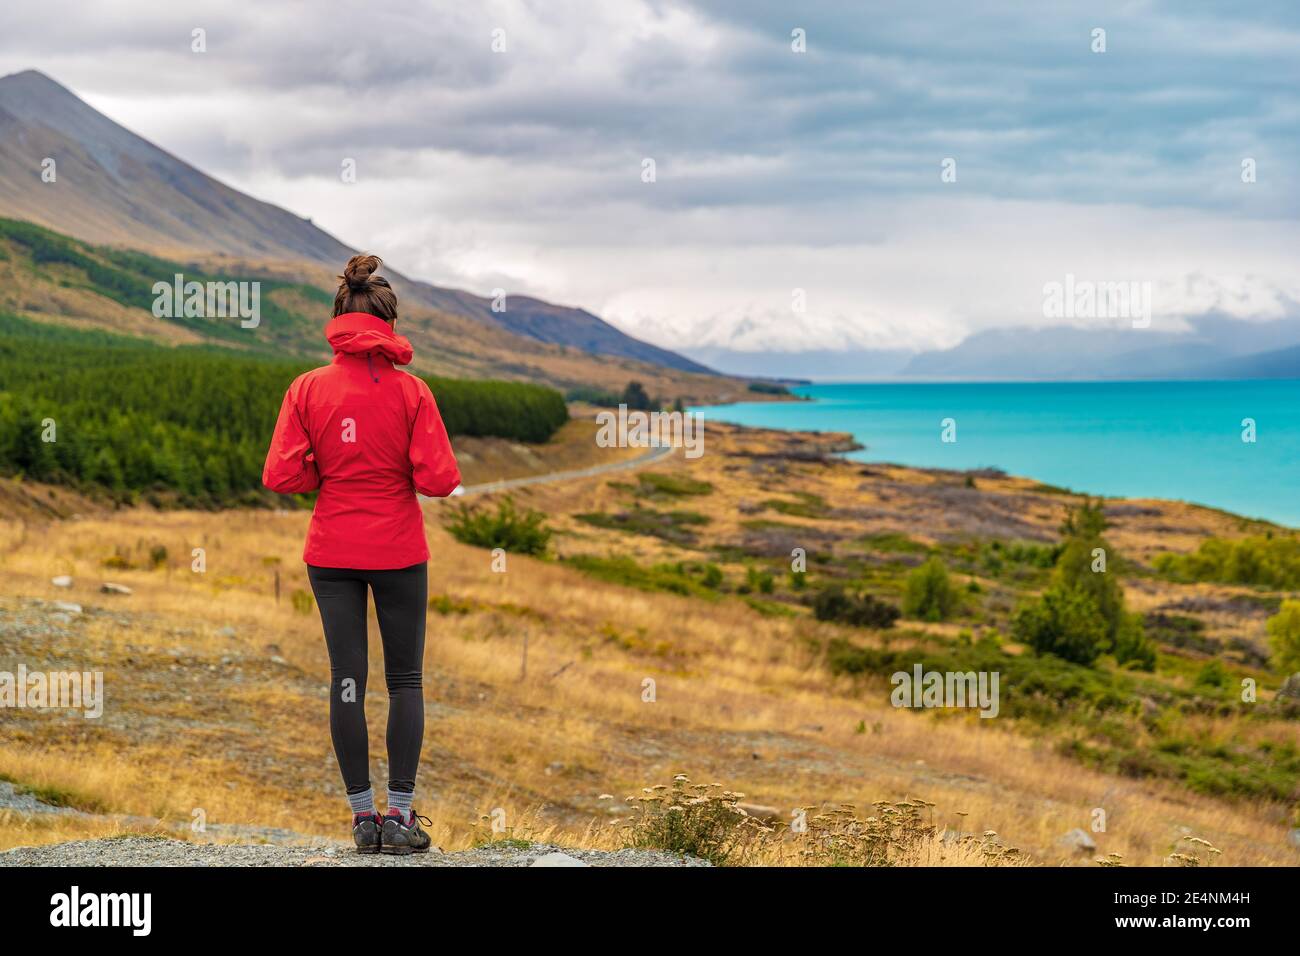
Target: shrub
{"points": [[1064, 622], [1272, 562], [760, 581], [302, 601], [1212, 675], [515, 531], [702, 820], [833, 603], [809, 505], [675, 526], [1074, 571], [636, 398], [1133, 649], [1284, 636], [711, 576], [652, 484], [673, 578], [929, 594]]}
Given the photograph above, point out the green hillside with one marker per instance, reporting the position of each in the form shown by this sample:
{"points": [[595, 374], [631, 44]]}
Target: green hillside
{"points": [[129, 278]]}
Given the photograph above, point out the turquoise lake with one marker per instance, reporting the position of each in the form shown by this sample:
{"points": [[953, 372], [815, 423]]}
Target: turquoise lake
{"points": [[1180, 440]]}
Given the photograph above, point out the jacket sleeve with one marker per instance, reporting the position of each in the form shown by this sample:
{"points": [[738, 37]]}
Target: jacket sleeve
{"points": [[433, 464], [290, 466]]}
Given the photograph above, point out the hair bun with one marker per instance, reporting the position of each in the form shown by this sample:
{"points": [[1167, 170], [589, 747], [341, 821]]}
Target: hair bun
{"points": [[356, 274]]}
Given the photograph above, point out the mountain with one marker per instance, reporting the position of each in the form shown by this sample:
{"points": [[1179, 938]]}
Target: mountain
{"points": [[113, 187], [848, 365], [1116, 353], [1277, 363]]}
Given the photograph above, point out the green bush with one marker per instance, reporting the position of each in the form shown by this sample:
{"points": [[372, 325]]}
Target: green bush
{"points": [[653, 484], [808, 505], [1082, 614], [508, 528], [1133, 649], [757, 580], [833, 603], [1212, 675], [1064, 622], [1271, 562], [1074, 571], [636, 398], [674, 526], [1284, 636], [929, 594], [673, 578]]}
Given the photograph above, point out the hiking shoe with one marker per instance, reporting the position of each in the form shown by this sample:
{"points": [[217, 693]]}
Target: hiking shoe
{"points": [[401, 837], [365, 832]]}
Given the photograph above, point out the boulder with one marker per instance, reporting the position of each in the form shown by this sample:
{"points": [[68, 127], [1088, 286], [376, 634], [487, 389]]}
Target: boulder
{"points": [[1079, 841]]}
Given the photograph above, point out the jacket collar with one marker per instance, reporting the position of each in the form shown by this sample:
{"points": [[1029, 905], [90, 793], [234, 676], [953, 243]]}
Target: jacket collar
{"points": [[356, 333]]}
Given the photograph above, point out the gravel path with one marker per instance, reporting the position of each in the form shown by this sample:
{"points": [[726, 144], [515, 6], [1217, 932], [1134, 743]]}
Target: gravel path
{"points": [[158, 851], [654, 454]]}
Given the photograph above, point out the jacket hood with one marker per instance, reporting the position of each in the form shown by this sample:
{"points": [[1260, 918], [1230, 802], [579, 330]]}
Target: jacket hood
{"points": [[356, 333]]}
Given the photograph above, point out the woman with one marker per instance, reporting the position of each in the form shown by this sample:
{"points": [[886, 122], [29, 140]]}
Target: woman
{"points": [[369, 436]]}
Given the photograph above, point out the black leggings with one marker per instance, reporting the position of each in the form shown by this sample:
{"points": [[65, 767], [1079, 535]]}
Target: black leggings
{"points": [[400, 604]]}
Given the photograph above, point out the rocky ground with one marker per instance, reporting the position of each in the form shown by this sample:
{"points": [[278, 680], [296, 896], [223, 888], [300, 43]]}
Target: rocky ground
{"points": [[159, 851]]}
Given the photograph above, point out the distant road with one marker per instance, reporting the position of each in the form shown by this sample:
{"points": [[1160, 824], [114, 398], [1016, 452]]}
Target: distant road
{"points": [[653, 455]]}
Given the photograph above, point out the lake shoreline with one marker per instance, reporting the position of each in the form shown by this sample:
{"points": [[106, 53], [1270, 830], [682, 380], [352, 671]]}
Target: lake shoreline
{"points": [[1195, 442]]}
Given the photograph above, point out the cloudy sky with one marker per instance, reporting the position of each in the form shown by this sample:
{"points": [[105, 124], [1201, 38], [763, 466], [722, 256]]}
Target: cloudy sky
{"points": [[775, 170]]}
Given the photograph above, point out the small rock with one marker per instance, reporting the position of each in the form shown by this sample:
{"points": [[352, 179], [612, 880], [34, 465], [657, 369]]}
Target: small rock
{"points": [[277, 659], [1079, 841], [317, 861], [557, 859], [226, 631], [62, 581], [108, 587], [67, 607]]}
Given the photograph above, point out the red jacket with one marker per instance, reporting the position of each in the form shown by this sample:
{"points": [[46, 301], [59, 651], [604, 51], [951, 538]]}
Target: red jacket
{"points": [[369, 436]]}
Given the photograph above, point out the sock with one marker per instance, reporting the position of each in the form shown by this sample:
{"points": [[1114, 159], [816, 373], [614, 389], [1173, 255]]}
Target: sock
{"points": [[401, 800], [363, 802]]}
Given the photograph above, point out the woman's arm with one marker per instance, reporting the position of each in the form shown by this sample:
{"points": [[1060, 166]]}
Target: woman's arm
{"points": [[290, 467], [433, 464]]}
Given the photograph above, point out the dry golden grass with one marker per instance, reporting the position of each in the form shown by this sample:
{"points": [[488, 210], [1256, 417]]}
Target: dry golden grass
{"points": [[200, 713]]}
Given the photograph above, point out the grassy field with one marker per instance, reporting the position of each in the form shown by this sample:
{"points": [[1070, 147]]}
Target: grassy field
{"points": [[536, 677]]}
